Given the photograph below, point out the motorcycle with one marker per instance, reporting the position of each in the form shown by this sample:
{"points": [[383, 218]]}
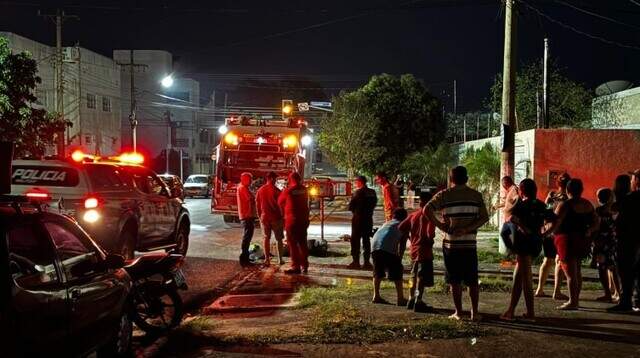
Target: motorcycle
{"points": [[156, 304]]}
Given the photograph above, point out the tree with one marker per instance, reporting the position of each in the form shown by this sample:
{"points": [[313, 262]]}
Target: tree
{"points": [[408, 119], [430, 166], [570, 102], [348, 137], [483, 168], [31, 129], [385, 121]]}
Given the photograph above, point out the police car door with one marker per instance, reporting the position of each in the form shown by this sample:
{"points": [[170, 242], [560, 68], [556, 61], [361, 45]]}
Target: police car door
{"points": [[165, 214], [146, 207]]}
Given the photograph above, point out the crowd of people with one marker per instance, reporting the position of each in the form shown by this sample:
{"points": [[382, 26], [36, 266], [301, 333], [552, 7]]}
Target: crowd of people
{"points": [[566, 227]]}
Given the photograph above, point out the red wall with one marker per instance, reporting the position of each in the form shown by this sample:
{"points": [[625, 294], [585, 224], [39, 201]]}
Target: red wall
{"points": [[595, 156]]}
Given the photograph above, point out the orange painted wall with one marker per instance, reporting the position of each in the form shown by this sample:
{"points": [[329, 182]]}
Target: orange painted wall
{"points": [[595, 156]]}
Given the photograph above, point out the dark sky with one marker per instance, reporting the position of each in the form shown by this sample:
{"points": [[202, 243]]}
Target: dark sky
{"points": [[338, 44]]}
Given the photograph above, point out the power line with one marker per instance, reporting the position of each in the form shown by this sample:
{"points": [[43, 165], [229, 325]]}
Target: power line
{"points": [[597, 15], [635, 2], [570, 27]]}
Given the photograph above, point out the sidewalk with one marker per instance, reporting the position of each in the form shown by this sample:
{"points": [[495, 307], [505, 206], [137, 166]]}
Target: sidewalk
{"points": [[323, 314]]}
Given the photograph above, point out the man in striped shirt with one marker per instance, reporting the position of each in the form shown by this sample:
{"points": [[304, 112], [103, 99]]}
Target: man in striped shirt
{"points": [[459, 211]]}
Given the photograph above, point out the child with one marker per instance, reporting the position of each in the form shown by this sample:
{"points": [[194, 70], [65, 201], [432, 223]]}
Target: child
{"points": [[604, 247], [386, 258], [421, 235]]}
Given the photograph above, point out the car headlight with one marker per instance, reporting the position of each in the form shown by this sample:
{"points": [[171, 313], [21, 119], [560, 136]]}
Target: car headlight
{"points": [[91, 216]]}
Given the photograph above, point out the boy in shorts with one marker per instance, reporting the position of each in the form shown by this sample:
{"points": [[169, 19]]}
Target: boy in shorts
{"points": [[421, 234], [387, 261]]}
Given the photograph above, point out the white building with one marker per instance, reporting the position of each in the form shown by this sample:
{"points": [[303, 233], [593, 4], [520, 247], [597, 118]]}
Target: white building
{"points": [[619, 110], [156, 104], [91, 99]]}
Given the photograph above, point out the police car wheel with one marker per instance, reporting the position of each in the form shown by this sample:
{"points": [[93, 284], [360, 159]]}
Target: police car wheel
{"points": [[182, 240]]}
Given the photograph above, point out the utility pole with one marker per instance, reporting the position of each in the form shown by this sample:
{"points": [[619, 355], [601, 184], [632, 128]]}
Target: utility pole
{"points": [[168, 150], [132, 109], [508, 91], [58, 19], [545, 94]]}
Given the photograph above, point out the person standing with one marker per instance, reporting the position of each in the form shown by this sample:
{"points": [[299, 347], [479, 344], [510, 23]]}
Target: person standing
{"points": [[247, 214], [628, 237], [508, 198], [463, 212], [576, 221], [554, 198], [271, 219], [294, 204], [528, 215], [604, 247], [387, 260], [421, 235], [363, 203], [390, 195]]}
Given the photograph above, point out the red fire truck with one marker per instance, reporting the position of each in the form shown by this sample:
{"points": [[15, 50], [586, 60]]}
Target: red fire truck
{"points": [[256, 146]]}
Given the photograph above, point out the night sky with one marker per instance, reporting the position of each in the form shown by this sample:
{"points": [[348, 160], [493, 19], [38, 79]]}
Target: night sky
{"points": [[339, 44]]}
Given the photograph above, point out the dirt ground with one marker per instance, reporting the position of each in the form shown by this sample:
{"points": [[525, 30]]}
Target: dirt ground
{"points": [[255, 320]]}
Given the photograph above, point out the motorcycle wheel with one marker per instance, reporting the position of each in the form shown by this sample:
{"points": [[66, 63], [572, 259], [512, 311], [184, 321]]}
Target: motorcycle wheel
{"points": [[157, 309]]}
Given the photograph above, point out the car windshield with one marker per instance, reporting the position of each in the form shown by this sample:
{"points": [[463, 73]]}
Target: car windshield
{"points": [[198, 179]]}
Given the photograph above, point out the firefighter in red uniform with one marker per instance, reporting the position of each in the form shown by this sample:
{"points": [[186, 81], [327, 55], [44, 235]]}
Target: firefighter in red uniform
{"points": [[270, 216], [247, 214], [294, 203]]}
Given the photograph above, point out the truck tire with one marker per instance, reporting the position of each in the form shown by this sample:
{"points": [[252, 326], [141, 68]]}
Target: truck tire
{"points": [[120, 344]]}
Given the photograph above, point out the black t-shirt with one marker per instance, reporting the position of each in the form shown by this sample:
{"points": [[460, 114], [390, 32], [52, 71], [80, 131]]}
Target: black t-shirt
{"points": [[628, 220], [363, 203], [532, 214]]}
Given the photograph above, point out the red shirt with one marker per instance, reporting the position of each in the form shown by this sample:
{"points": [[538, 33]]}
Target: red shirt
{"points": [[421, 234], [391, 200], [267, 203], [294, 204], [246, 203]]}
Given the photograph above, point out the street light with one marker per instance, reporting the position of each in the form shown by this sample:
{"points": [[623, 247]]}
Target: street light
{"points": [[306, 140], [167, 81]]}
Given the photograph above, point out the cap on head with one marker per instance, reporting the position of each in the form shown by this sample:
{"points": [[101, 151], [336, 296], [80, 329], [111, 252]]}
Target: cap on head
{"points": [[362, 179], [458, 175]]}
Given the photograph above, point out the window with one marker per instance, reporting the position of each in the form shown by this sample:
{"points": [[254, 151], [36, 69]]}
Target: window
{"points": [[104, 177], [318, 156], [91, 100], [31, 258], [106, 104], [147, 182], [77, 259]]}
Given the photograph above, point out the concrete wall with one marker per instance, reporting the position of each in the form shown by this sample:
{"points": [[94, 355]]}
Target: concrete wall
{"points": [[96, 130], [620, 110], [595, 156]]}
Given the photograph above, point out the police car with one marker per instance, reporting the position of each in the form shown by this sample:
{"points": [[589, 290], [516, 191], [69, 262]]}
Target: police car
{"points": [[120, 203]]}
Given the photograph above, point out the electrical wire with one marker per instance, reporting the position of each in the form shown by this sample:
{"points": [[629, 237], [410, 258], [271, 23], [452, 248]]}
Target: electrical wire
{"points": [[570, 27], [597, 15]]}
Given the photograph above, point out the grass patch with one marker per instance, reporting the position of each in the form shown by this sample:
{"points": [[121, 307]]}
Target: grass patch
{"points": [[490, 257], [494, 284]]}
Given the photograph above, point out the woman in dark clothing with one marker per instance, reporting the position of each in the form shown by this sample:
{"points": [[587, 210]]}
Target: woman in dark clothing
{"points": [[554, 198], [528, 215], [604, 247], [575, 223]]}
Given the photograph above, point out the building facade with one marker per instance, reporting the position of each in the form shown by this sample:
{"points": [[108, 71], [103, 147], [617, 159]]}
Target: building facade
{"points": [[91, 93], [168, 119]]}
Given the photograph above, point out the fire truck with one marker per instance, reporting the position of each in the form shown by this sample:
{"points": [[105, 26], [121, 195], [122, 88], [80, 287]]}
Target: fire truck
{"points": [[256, 146]]}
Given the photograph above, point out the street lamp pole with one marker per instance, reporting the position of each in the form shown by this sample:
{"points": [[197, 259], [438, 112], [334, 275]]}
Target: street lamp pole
{"points": [[168, 150]]}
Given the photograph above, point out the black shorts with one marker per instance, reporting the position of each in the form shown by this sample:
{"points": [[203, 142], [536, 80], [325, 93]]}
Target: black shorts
{"points": [[461, 266], [424, 271], [549, 247], [386, 264]]}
